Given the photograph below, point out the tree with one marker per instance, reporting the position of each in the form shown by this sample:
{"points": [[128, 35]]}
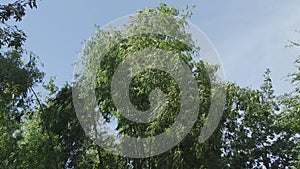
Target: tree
{"points": [[189, 153], [288, 120], [250, 135], [17, 77]]}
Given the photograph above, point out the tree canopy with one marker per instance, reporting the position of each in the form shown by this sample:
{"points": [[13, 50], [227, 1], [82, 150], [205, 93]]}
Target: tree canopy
{"points": [[258, 129]]}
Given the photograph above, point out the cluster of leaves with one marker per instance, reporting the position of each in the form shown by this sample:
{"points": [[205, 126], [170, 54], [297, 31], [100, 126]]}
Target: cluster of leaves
{"points": [[11, 36]]}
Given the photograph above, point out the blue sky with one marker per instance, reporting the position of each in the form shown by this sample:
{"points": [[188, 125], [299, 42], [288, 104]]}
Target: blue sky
{"points": [[249, 35]]}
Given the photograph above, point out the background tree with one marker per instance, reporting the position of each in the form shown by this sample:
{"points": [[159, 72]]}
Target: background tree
{"points": [[289, 119], [249, 132], [17, 77]]}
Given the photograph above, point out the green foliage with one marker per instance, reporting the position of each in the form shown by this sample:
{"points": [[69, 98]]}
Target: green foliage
{"points": [[17, 78], [289, 119], [17, 75], [11, 36], [249, 133], [186, 154], [258, 129]]}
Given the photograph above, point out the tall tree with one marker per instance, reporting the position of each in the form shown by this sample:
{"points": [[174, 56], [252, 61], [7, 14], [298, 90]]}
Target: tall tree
{"points": [[189, 153], [289, 119], [17, 77], [249, 133]]}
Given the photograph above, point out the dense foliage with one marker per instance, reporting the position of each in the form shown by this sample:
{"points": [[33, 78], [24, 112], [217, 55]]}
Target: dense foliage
{"points": [[258, 129]]}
